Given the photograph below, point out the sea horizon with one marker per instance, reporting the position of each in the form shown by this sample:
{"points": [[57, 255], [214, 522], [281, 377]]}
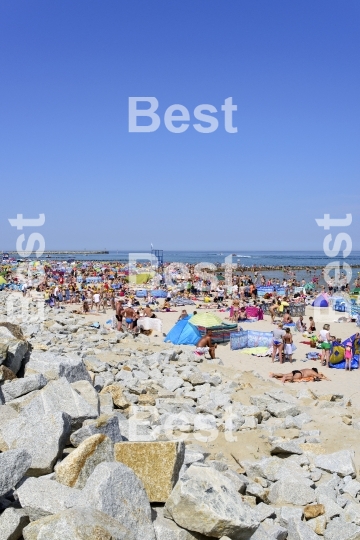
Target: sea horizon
{"points": [[247, 258]]}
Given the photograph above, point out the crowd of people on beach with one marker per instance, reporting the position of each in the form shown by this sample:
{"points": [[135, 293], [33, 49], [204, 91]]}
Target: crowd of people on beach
{"points": [[94, 288]]}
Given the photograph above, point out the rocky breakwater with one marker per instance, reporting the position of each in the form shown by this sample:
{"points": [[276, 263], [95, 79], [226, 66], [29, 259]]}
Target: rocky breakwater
{"points": [[91, 446]]}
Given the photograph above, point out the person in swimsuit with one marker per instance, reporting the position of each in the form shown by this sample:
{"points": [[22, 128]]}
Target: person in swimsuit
{"points": [[312, 327], [299, 374], [235, 307], [288, 347], [348, 355], [325, 340], [129, 316], [273, 310], [205, 345], [119, 314], [278, 345], [148, 312], [166, 306]]}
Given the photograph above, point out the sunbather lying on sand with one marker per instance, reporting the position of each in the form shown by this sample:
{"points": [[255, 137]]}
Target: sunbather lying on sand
{"points": [[299, 375]]}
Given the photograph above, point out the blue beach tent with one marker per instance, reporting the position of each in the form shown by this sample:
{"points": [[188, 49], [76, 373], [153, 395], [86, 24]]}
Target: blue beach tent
{"points": [[183, 333], [320, 301]]}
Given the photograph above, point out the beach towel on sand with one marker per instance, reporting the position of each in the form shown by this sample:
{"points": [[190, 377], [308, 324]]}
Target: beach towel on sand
{"points": [[256, 351]]}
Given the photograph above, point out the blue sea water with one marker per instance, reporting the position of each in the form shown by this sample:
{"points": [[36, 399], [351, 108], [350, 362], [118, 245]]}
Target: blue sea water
{"points": [[246, 258]]}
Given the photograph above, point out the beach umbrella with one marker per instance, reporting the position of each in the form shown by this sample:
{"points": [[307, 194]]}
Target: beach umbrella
{"points": [[207, 320], [2, 281], [309, 286]]}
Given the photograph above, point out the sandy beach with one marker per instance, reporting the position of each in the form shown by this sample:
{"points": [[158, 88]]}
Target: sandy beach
{"points": [[240, 367], [234, 361]]}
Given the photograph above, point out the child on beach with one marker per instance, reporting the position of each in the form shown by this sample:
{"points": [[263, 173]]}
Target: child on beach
{"points": [[348, 355], [312, 327], [288, 344]]}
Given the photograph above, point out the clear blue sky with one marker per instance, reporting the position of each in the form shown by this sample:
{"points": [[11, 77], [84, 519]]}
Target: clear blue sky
{"points": [[68, 67]]}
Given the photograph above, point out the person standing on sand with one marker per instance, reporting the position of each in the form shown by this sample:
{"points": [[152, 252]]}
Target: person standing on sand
{"points": [[235, 310], [273, 310], [278, 345], [325, 339], [96, 301], [129, 316], [348, 355], [119, 314], [288, 344]]}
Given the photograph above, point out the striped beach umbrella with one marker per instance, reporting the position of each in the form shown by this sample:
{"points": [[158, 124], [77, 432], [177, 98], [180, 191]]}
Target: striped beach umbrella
{"points": [[207, 320]]}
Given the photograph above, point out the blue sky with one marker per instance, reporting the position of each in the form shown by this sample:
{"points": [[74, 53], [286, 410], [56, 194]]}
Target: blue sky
{"points": [[67, 69]]}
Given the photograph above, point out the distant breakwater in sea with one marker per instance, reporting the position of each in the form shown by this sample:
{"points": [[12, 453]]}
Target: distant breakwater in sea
{"points": [[251, 261]]}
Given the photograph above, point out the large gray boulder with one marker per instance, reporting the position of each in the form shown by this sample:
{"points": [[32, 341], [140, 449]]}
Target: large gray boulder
{"points": [[172, 383], [15, 353], [13, 346], [113, 488], [267, 468], [282, 410], [352, 488], [42, 435], [286, 513], [87, 392], [259, 534], [9, 329], [7, 413], [207, 502], [106, 424], [332, 509], [200, 377], [291, 491], [12, 523], [4, 346], [166, 529], [60, 396], [75, 469], [41, 497], [54, 366], [19, 387], [13, 465], [78, 524], [298, 530], [341, 463], [283, 447], [338, 529]]}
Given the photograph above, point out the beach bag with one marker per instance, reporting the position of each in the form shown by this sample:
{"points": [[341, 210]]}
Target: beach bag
{"points": [[337, 354]]}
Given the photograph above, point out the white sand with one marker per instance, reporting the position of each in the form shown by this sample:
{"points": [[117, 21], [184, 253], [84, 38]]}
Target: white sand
{"points": [[341, 381]]}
